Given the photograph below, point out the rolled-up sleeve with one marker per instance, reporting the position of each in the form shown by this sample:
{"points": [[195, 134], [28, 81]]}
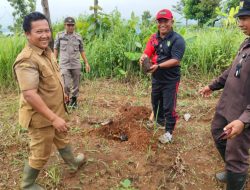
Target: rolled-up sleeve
{"points": [[81, 46], [27, 76]]}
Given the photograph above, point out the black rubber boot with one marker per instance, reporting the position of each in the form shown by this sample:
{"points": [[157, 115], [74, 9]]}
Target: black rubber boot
{"points": [[73, 102], [236, 181], [68, 157], [29, 177]]}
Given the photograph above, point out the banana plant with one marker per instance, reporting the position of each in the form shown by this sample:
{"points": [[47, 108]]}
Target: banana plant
{"points": [[228, 18]]}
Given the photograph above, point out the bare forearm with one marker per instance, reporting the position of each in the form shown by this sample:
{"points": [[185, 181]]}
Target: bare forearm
{"points": [[170, 63], [84, 57]]}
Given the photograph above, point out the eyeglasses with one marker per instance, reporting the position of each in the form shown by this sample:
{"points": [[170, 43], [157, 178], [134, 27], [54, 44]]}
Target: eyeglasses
{"points": [[70, 25], [239, 66]]}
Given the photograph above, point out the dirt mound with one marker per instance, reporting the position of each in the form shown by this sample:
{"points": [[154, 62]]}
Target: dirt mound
{"points": [[129, 127]]}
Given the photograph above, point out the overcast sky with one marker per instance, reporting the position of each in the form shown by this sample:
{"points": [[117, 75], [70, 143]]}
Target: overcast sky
{"points": [[59, 9]]}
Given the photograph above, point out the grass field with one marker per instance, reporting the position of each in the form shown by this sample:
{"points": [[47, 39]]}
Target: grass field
{"points": [[141, 162]]}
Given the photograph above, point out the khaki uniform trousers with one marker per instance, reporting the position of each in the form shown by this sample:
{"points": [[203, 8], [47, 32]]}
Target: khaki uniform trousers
{"points": [[41, 143], [74, 76]]}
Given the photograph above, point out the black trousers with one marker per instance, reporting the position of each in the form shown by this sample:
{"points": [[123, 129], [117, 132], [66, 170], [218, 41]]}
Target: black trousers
{"points": [[163, 99], [235, 150]]}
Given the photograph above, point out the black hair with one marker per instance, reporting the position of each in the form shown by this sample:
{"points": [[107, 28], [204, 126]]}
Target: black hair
{"points": [[34, 16]]}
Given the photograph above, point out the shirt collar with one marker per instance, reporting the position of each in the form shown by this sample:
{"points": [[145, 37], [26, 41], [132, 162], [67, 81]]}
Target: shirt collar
{"points": [[40, 51], [167, 36]]}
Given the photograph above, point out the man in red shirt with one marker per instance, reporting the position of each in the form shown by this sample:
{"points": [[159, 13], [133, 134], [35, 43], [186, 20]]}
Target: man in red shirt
{"points": [[165, 48]]}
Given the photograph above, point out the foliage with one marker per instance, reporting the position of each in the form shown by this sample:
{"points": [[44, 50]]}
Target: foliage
{"points": [[228, 18], [210, 51], [115, 50], [146, 18], [231, 3], [21, 9], [10, 47], [200, 10]]}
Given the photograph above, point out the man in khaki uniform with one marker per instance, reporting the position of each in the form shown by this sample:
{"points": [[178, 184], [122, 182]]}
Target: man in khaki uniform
{"points": [[70, 46], [42, 110]]}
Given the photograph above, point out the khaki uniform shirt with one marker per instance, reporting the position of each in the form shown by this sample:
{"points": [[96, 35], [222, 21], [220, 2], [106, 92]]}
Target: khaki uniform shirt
{"points": [[69, 47], [35, 68], [235, 99]]}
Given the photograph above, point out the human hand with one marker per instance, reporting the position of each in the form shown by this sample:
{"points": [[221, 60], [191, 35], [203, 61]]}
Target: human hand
{"points": [[143, 56], [66, 98], [153, 68], [59, 124], [236, 126], [205, 91], [87, 68]]}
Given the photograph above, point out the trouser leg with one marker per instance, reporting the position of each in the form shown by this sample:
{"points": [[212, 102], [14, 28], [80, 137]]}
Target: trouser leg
{"points": [[169, 105], [218, 123], [66, 75], [157, 104], [40, 146], [76, 76]]}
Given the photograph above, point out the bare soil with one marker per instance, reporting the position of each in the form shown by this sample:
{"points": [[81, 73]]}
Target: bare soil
{"points": [[110, 128]]}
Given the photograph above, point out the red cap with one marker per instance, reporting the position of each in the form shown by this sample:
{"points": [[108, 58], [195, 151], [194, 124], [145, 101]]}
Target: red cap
{"points": [[164, 13]]}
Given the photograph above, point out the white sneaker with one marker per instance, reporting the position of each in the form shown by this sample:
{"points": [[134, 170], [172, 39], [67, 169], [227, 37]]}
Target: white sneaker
{"points": [[165, 138]]}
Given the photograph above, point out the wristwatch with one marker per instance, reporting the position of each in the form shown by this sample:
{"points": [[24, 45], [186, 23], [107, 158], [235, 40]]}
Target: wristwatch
{"points": [[159, 66]]}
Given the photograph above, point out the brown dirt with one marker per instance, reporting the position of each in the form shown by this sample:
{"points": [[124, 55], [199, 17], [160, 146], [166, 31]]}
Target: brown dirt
{"points": [[129, 123], [189, 163]]}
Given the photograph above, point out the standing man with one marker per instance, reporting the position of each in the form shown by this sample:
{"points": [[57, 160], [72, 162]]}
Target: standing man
{"points": [[165, 49], [233, 110], [42, 109], [70, 44]]}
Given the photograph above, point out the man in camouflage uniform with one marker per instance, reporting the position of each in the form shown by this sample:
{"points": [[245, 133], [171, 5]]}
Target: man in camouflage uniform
{"points": [[42, 109], [70, 44]]}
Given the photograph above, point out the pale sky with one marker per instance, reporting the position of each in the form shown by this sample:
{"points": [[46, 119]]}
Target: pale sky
{"points": [[59, 9]]}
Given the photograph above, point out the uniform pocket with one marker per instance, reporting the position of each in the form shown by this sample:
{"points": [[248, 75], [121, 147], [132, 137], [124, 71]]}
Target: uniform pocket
{"points": [[63, 45], [76, 46], [47, 79]]}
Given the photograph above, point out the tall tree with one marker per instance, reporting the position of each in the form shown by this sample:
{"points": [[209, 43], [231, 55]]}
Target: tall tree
{"points": [[21, 8], [146, 16], [178, 8], [200, 10], [46, 12], [45, 5]]}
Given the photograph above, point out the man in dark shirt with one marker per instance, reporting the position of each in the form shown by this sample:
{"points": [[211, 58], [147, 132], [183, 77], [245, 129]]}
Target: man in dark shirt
{"points": [[233, 110], [165, 49]]}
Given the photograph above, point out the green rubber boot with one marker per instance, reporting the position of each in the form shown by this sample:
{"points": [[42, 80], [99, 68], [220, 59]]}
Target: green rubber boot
{"points": [[29, 177], [74, 163]]}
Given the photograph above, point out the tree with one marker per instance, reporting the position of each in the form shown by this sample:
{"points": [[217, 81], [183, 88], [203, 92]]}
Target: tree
{"points": [[21, 9], [179, 7], [200, 10], [46, 12], [146, 16], [96, 25]]}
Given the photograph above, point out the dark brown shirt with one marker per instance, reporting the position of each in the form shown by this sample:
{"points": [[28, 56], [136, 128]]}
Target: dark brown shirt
{"points": [[234, 102]]}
